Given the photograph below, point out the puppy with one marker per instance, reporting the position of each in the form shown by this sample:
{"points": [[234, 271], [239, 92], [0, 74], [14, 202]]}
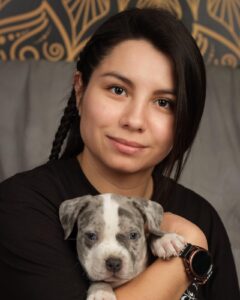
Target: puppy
{"points": [[112, 238]]}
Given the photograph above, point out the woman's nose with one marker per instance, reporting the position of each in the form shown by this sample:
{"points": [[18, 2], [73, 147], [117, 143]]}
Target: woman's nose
{"points": [[134, 116]]}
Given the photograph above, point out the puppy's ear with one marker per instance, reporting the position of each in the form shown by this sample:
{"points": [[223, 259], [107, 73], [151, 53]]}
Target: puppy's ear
{"points": [[69, 210], [153, 214]]}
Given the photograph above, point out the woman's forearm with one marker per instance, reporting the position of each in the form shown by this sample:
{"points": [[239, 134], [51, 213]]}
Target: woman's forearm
{"points": [[163, 280]]}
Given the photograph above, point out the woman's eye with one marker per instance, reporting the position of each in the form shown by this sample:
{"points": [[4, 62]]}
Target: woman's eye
{"points": [[165, 103], [118, 90]]}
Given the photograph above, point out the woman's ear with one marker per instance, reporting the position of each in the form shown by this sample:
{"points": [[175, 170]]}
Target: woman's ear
{"points": [[78, 87]]}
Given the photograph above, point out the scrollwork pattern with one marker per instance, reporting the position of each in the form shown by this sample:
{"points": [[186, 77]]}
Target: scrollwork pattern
{"points": [[229, 60], [3, 3], [3, 56], [227, 13], [53, 52], [59, 31], [173, 5], [31, 51]]}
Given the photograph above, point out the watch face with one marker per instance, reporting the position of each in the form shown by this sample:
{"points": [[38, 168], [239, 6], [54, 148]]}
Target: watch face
{"points": [[201, 263]]}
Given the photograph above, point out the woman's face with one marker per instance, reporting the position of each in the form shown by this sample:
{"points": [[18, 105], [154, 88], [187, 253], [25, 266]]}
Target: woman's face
{"points": [[127, 109]]}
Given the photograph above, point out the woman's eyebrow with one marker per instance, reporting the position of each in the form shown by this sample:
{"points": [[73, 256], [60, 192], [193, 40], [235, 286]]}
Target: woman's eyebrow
{"points": [[118, 76], [131, 84], [165, 91]]}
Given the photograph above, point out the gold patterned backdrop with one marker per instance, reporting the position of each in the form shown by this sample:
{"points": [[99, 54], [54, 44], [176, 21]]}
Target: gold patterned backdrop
{"points": [[58, 29]]}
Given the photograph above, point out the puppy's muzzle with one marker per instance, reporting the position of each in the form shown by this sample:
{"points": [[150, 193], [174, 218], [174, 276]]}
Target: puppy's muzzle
{"points": [[113, 264]]}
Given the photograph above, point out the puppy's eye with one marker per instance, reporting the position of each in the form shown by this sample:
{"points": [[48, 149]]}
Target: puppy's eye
{"points": [[134, 235], [92, 236]]}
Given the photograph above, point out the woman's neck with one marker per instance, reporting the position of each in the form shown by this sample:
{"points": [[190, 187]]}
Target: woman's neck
{"points": [[106, 180]]}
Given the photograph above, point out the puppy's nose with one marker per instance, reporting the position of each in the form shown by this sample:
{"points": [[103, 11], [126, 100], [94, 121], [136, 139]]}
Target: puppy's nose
{"points": [[113, 264]]}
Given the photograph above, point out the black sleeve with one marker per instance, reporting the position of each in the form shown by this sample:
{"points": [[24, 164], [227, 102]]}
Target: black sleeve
{"points": [[223, 284], [35, 261]]}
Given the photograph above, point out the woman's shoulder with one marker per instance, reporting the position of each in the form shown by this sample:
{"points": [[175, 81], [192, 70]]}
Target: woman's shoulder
{"points": [[26, 178], [183, 201], [49, 180], [184, 197], [48, 167], [179, 197]]}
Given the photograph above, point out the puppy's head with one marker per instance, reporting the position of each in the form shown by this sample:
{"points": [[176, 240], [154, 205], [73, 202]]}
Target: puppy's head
{"points": [[111, 241]]}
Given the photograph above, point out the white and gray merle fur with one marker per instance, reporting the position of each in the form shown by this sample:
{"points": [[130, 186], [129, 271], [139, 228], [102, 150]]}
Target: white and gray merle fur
{"points": [[112, 239]]}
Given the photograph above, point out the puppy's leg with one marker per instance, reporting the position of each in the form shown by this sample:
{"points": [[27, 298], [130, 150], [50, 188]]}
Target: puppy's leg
{"points": [[170, 244], [101, 291]]}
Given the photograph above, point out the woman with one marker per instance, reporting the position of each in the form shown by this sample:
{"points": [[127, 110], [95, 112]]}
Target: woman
{"points": [[137, 101]]}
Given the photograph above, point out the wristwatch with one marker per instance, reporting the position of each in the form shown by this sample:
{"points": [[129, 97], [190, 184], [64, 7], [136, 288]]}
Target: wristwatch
{"points": [[197, 262]]}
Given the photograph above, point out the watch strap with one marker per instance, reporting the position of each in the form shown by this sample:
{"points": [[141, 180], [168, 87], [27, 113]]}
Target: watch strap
{"points": [[187, 254]]}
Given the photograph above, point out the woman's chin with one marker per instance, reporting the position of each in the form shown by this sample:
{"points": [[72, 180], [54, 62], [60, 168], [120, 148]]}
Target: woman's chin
{"points": [[128, 168]]}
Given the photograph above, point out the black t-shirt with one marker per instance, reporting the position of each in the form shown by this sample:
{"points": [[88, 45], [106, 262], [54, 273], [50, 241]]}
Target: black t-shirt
{"points": [[36, 263]]}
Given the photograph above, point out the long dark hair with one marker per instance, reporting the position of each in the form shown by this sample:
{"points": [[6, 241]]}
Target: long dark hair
{"points": [[168, 35]]}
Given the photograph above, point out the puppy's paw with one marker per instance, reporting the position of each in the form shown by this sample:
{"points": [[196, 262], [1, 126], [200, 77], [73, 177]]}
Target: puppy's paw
{"points": [[102, 295], [170, 244], [101, 291]]}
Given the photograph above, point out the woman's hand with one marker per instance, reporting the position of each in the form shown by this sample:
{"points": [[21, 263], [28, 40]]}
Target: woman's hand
{"points": [[192, 233]]}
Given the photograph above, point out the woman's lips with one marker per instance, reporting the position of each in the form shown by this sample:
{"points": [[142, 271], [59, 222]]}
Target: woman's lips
{"points": [[125, 146]]}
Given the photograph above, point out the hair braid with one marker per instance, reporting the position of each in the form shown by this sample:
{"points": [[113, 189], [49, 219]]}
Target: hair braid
{"points": [[70, 113]]}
